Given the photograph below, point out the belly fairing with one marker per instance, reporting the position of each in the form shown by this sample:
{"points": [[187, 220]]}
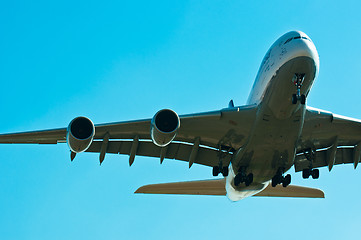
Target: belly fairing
{"points": [[238, 193]]}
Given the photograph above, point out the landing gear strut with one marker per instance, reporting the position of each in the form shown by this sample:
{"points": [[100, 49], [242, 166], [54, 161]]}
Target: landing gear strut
{"points": [[241, 177], [298, 81], [280, 179], [223, 152]]}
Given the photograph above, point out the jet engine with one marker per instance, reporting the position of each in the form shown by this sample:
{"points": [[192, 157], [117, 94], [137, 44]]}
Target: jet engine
{"points": [[80, 134], [164, 127]]}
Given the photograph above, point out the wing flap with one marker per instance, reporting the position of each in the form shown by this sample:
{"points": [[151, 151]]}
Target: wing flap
{"points": [[291, 191], [344, 155], [204, 187]]}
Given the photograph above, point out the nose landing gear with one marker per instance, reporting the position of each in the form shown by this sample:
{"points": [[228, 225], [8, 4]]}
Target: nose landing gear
{"points": [[298, 81]]}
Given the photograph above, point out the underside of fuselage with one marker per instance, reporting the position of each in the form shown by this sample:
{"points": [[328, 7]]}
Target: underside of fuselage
{"points": [[271, 146]]}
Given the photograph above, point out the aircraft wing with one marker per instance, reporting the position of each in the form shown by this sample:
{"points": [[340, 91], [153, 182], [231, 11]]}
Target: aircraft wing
{"points": [[41, 137], [216, 130], [327, 140]]}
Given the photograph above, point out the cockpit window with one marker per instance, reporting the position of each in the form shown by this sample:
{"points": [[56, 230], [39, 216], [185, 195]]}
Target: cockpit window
{"points": [[298, 37], [288, 40]]}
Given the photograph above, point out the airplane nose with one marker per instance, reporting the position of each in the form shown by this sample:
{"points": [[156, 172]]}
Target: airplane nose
{"points": [[304, 47]]}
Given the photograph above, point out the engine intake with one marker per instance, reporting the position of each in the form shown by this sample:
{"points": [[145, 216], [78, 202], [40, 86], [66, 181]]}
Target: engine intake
{"points": [[80, 134], [164, 127]]}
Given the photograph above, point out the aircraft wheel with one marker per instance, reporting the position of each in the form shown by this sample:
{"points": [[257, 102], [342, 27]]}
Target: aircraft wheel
{"points": [[275, 181], [215, 171], [306, 173], [294, 98], [237, 179], [286, 181], [315, 173], [249, 179], [274, 184], [303, 99], [225, 171]]}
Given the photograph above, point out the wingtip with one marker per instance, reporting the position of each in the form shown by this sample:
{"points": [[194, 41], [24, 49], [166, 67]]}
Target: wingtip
{"points": [[145, 189], [139, 190]]}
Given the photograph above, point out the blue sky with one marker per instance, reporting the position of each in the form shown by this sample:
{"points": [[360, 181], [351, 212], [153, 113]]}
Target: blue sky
{"points": [[115, 61]]}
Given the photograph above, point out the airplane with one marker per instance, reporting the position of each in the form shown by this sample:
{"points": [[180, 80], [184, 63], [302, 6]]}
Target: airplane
{"points": [[252, 146]]}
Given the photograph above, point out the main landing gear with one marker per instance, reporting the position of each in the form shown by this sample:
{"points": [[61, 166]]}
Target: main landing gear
{"points": [[217, 170], [298, 81], [242, 177], [224, 152], [306, 173], [279, 178]]}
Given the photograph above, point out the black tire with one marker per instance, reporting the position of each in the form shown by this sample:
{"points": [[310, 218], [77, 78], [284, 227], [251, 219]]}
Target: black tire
{"points": [[225, 171], [303, 99], [294, 99], [215, 171], [237, 179], [315, 173], [275, 181], [306, 173], [286, 180], [274, 184]]}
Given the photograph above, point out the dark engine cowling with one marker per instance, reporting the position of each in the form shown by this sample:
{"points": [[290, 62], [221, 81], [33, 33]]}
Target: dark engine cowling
{"points": [[164, 127], [80, 134]]}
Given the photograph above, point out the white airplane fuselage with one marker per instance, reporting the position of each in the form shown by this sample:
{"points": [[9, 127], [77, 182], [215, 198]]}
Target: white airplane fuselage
{"points": [[271, 146]]}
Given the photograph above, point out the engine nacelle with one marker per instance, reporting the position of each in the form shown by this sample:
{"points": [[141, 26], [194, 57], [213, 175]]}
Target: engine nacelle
{"points": [[164, 127], [80, 134]]}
